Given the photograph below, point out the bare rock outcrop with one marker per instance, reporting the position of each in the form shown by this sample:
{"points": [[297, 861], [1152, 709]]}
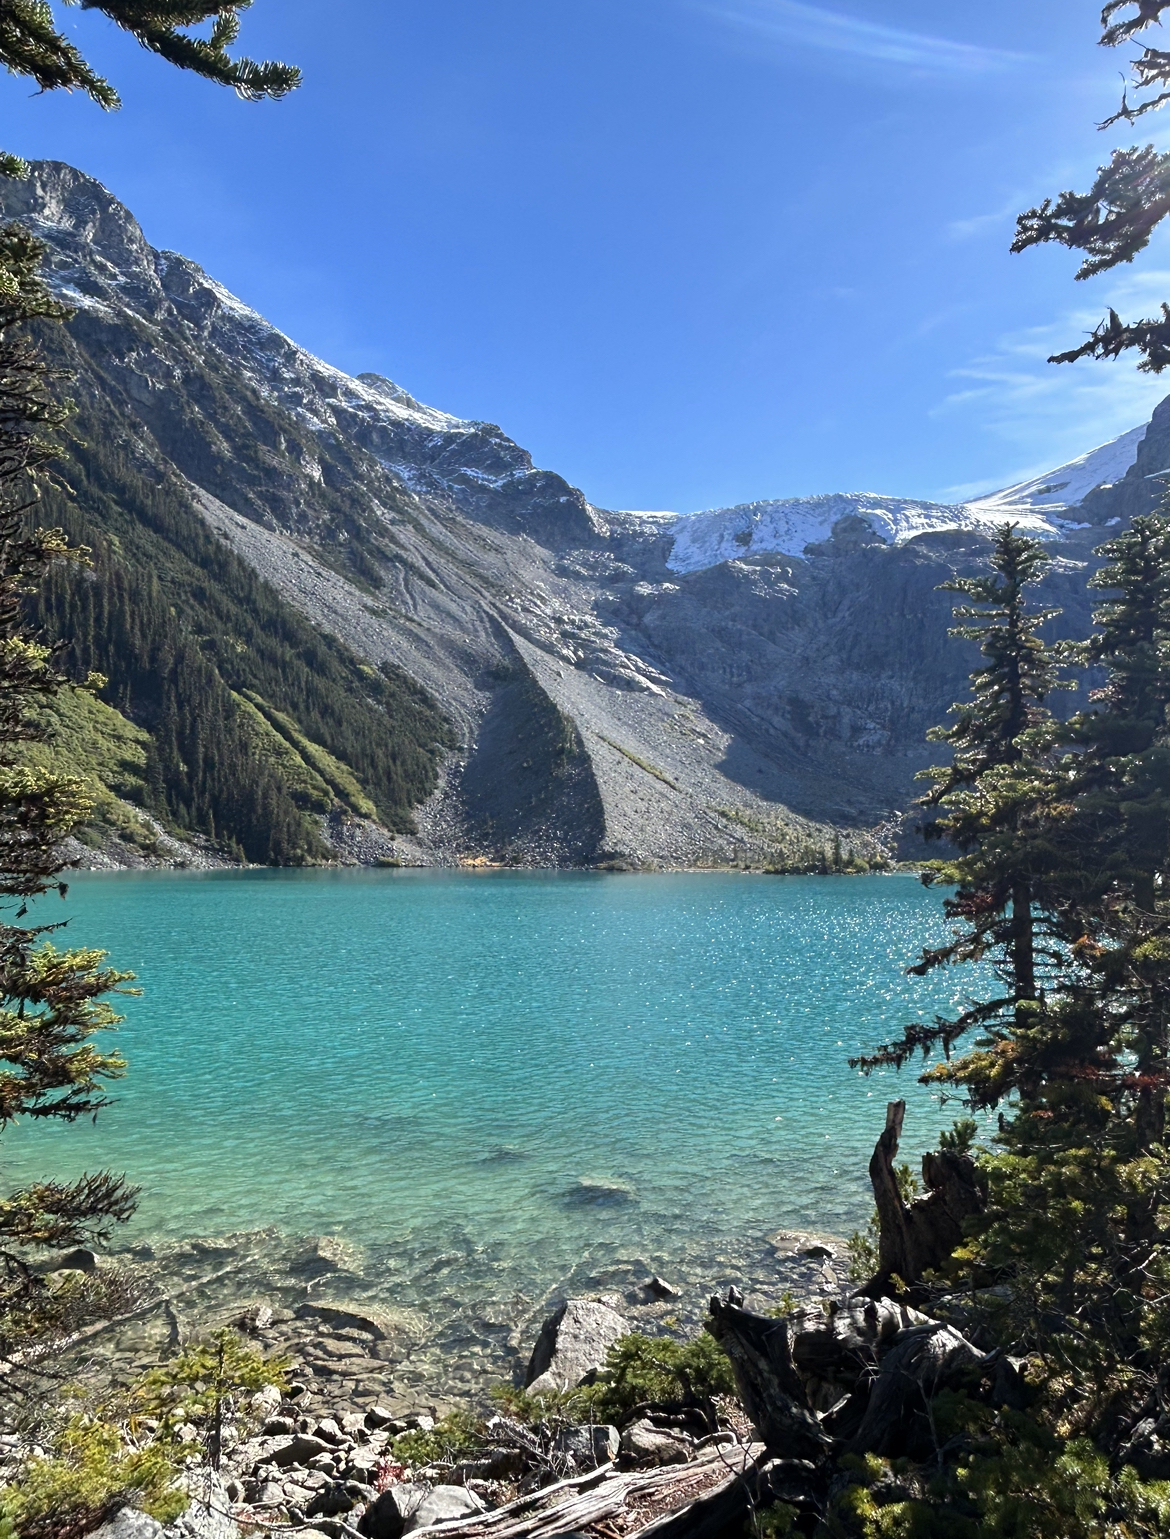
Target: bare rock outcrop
{"points": [[572, 1345]]}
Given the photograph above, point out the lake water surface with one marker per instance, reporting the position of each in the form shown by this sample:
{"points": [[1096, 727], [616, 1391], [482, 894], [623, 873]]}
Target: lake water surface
{"points": [[535, 1067]]}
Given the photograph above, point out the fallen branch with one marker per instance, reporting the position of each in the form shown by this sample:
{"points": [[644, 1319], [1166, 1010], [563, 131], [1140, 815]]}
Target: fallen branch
{"points": [[598, 1497]]}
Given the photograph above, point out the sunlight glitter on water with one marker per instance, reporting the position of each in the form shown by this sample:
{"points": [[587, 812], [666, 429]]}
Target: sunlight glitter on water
{"points": [[541, 1063]]}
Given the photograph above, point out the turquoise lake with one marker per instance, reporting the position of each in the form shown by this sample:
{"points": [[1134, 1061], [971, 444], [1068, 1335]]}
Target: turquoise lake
{"points": [[530, 1067]]}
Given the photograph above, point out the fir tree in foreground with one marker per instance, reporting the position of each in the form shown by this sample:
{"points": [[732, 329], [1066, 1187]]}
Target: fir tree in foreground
{"points": [[1029, 1396], [1062, 840], [1114, 220], [52, 1002], [31, 45], [989, 804]]}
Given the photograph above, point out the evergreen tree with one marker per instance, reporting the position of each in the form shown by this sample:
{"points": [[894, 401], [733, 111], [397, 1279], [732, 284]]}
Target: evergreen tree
{"points": [[1122, 781], [989, 805], [1078, 1222], [1075, 1054], [51, 1002], [1114, 220]]}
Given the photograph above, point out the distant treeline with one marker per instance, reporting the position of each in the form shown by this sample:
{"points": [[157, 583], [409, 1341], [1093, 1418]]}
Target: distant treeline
{"points": [[177, 621]]}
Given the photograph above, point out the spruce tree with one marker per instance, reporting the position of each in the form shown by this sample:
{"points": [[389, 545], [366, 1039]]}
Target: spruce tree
{"points": [[1114, 220], [1122, 780], [1079, 1218], [989, 805], [31, 45], [1075, 1231], [52, 1002]]}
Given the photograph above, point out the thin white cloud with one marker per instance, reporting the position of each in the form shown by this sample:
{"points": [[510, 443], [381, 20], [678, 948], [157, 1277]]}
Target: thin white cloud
{"points": [[1044, 414], [814, 26], [964, 229]]}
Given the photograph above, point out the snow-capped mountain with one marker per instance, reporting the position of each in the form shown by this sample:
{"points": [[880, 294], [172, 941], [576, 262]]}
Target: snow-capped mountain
{"points": [[645, 687], [1045, 506], [1063, 490]]}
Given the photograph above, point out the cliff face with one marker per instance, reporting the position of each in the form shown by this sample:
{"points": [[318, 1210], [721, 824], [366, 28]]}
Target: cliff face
{"points": [[609, 697], [1142, 487]]}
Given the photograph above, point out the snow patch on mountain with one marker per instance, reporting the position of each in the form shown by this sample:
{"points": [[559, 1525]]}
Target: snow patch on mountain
{"points": [[1066, 487], [788, 526]]}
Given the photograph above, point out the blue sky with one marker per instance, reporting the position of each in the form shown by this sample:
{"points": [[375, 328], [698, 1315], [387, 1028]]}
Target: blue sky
{"points": [[688, 252]]}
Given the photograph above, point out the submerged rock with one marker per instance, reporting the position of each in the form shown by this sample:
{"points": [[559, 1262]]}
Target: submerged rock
{"points": [[788, 1244], [381, 1324], [589, 1193], [325, 1253], [573, 1345], [660, 1288]]}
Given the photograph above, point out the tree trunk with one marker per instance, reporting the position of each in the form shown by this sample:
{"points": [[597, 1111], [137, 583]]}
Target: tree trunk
{"points": [[1023, 943], [920, 1236], [760, 1350]]}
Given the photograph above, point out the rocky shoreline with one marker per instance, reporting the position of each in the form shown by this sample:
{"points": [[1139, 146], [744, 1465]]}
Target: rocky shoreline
{"points": [[351, 1447]]}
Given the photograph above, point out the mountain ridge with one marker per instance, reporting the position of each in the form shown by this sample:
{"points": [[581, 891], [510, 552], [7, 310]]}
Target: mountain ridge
{"points": [[608, 703]]}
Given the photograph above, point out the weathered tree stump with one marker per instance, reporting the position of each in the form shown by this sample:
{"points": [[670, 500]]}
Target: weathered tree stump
{"points": [[836, 1353], [923, 1360], [920, 1236], [760, 1349]]}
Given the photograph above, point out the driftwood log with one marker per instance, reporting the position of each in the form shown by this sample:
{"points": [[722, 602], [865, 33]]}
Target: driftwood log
{"points": [[919, 1236], [701, 1497]]}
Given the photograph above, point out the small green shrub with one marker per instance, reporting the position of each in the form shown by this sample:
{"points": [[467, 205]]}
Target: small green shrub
{"points": [[788, 1305], [97, 1464], [1015, 1479], [205, 1385], [455, 1437], [639, 1370], [90, 1474], [657, 1370], [772, 1522], [862, 1249], [961, 1138]]}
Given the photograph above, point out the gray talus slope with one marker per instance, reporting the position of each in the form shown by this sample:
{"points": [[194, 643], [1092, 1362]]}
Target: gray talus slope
{"points": [[426, 541]]}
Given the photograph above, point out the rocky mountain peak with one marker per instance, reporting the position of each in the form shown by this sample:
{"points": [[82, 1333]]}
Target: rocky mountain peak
{"points": [[95, 243], [100, 261]]}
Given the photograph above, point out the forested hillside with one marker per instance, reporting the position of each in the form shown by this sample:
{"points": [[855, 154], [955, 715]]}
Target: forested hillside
{"points": [[257, 720]]}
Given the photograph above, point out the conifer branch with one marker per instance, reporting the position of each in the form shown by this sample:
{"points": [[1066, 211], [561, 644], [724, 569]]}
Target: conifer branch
{"points": [[1129, 198], [163, 26]]}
